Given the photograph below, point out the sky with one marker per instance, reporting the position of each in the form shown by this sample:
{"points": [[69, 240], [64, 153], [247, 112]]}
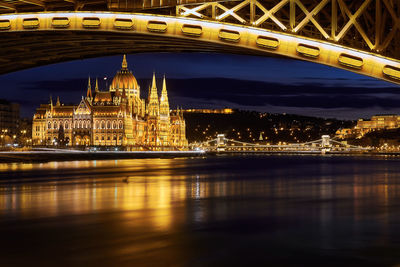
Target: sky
{"points": [[207, 80]]}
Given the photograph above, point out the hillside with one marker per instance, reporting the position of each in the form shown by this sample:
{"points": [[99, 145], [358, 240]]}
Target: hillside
{"points": [[247, 125]]}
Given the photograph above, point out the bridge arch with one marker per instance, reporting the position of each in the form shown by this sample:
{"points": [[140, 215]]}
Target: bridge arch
{"points": [[35, 39]]}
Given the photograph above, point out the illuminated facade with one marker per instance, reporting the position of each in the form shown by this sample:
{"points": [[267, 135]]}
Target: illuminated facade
{"points": [[118, 117], [377, 122]]}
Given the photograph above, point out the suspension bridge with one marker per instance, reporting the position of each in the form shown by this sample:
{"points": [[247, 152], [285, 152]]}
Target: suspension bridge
{"points": [[325, 145]]}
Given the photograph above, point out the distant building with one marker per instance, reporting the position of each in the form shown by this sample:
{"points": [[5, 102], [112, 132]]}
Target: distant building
{"points": [[344, 133], [377, 122], [9, 119], [116, 117]]}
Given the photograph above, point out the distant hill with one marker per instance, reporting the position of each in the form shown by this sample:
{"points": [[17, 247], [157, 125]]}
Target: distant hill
{"points": [[390, 137], [247, 126]]}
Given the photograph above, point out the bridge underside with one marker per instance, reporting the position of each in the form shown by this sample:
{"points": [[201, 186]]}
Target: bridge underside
{"points": [[34, 39], [22, 50]]}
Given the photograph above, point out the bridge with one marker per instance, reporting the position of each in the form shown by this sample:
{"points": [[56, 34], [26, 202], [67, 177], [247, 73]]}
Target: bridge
{"points": [[361, 36], [221, 144]]}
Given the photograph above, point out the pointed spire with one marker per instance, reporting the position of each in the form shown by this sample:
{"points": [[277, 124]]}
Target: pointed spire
{"points": [[164, 85], [153, 98], [124, 63], [164, 104], [97, 85], [153, 90], [58, 101], [89, 89], [51, 101], [153, 84]]}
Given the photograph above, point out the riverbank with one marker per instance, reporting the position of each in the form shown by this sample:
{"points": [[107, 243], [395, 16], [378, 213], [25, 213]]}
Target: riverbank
{"points": [[70, 155]]}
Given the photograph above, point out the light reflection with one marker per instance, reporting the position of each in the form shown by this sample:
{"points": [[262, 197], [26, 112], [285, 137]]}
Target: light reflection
{"points": [[161, 193]]}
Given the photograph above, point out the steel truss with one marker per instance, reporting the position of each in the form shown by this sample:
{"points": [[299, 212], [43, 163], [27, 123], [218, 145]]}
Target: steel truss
{"points": [[371, 25], [361, 36]]}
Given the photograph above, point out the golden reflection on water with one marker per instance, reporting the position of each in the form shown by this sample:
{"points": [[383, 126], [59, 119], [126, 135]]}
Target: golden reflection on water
{"points": [[156, 188], [137, 186], [142, 211]]}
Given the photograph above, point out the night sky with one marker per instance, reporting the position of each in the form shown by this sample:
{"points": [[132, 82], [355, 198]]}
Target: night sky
{"points": [[202, 80]]}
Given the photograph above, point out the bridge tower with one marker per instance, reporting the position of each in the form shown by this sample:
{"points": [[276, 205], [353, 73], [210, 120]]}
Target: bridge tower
{"points": [[221, 142], [325, 141]]}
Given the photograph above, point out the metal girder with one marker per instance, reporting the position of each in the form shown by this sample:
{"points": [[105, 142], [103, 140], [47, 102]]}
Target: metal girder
{"points": [[34, 2], [371, 25], [34, 39], [7, 5]]}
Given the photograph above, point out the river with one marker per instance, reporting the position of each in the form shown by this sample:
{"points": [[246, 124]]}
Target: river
{"points": [[212, 211]]}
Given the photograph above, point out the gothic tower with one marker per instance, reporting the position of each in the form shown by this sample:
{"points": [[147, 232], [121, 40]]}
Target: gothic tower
{"points": [[153, 113], [89, 95], [164, 123]]}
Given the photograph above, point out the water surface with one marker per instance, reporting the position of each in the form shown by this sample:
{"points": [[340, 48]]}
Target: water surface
{"points": [[261, 210]]}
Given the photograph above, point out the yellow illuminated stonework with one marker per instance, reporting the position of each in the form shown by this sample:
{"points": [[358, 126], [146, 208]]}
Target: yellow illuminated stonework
{"points": [[118, 117], [377, 122]]}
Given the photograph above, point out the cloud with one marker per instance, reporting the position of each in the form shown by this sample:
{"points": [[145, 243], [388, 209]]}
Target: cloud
{"points": [[303, 98]]}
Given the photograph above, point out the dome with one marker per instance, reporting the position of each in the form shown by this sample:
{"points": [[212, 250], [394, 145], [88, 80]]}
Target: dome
{"points": [[124, 79]]}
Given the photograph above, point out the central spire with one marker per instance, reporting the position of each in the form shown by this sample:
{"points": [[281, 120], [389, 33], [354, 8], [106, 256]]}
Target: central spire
{"points": [[164, 105], [124, 63], [164, 94], [153, 98]]}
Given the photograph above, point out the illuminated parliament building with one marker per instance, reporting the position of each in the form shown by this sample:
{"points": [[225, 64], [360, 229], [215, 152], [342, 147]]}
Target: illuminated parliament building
{"points": [[117, 117]]}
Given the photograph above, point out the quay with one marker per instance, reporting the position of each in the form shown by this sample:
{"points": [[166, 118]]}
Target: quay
{"points": [[47, 155]]}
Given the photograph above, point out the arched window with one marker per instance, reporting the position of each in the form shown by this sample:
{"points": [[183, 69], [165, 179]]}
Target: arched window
{"points": [[97, 125], [87, 124], [97, 138], [114, 125], [108, 138], [115, 137], [65, 125], [108, 125], [102, 138], [49, 126], [121, 125], [103, 125]]}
